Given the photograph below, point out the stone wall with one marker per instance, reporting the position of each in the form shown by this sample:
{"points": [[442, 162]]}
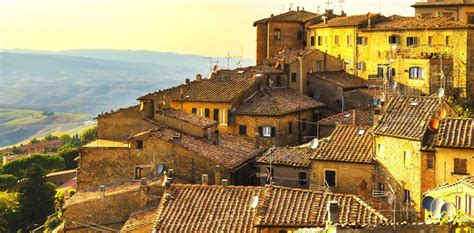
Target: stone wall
{"points": [[330, 94], [289, 37], [287, 176]]}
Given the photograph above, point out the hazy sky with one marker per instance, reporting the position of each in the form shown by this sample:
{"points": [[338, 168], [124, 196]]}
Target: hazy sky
{"points": [[206, 27]]}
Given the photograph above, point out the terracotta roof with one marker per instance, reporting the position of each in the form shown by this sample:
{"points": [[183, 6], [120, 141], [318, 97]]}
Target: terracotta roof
{"points": [[407, 116], [55, 142], [290, 16], [289, 156], [341, 78], [438, 4], [407, 23], [139, 220], [276, 102], [231, 152], [106, 143], [219, 88], [468, 180], [350, 21], [289, 56], [347, 144], [202, 122], [202, 208], [360, 116], [456, 132]]}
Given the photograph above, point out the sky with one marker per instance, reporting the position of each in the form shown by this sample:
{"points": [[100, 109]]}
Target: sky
{"points": [[204, 27]]}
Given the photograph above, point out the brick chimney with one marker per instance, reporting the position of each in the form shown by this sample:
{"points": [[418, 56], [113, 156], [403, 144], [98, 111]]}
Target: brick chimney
{"points": [[333, 211], [187, 81], [198, 77], [257, 141], [217, 175], [225, 182], [205, 179], [216, 137]]}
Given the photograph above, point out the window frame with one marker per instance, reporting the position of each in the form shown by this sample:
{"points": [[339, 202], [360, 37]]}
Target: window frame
{"points": [[430, 162], [412, 41], [266, 131], [312, 41], [302, 178], [336, 40], [243, 130], [335, 177], [223, 116], [416, 72], [277, 34], [460, 170], [294, 77], [139, 144]]}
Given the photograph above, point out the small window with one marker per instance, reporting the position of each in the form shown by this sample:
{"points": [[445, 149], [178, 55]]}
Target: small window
{"points": [[266, 131], [407, 196], [412, 41], [430, 40], [223, 118], [242, 130], [194, 111], [448, 40], [381, 187], [139, 144], [200, 112], [320, 40], [290, 127], [392, 72], [430, 163], [470, 19], [207, 112], [336, 39], [393, 39], [361, 66], [278, 80], [300, 35], [138, 173], [349, 40], [216, 114], [330, 178], [303, 124], [277, 34], [293, 77], [302, 178], [361, 40], [380, 73], [312, 41], [460, 166], [416, 72], [457, 202]]}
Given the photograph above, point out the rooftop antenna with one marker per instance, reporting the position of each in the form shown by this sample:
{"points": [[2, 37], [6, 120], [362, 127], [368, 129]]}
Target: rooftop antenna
{"points": [[282, 8], [291, 6], [341, 3], [212, 61], [318, 9], [328, 4]]}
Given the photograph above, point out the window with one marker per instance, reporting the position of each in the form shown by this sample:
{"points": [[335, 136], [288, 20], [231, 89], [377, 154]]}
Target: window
{"points": [[392, 72], [349, 40], [138, 173], [361, 40], [381, 187], [302, 178], [303, 124], [448, 40], [430, 40], [223, 118], [278, 80], [266, 131], [430, 161], [393, 39], [320, 41], [277, 34], [290, 127], [287, 68], [207, 112], [330, 178], [412, 41], [360, 66], [200, 112], [139, 144], [216, 114], [416, 72], [460, 166], [380, 72], [457, 202], [470, 19], [194, 111], [293, 77], [336, 40], [319, 66], [242, 130], [469, 209], [407, 158], [407, 196], [300, 35], [312, 41]]}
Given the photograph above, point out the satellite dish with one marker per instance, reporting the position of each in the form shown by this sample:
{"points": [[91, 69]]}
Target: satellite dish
{"points": [[435, 207], [448, 210], [160, 169], [317, 95], [216, 68], [440, 92], [314, 143], [254, 202], [426, 202]]}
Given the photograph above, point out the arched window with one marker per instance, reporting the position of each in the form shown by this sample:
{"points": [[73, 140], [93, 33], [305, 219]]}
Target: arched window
{"points": [[300, 35], [416, 72], [277, 34]]}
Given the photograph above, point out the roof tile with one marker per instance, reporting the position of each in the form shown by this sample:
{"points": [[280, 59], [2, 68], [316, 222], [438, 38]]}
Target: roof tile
{"points": [[456, 132]]}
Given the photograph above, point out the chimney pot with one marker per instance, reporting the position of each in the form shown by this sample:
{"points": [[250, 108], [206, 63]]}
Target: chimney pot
{"points": [[297, 8], [225, 182], [216, 137], [333, 211], [209, 134], [218, 175], [102, 191], [198, 77], [143, 181], [187, 81], [205, 179]]}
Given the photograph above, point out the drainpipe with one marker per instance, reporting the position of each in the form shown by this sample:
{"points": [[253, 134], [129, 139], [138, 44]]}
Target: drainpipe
{"points": [[300, 63], [268, 40]]}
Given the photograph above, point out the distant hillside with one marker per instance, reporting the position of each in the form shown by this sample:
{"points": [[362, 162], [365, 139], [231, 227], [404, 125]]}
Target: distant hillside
{"points": [[91, 81], [20, 125]]}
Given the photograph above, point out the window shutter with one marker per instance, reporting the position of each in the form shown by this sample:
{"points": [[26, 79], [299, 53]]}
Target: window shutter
{"points": [[260, 131], [273, 132], [229, 119], [216, 114], [464, 166]]}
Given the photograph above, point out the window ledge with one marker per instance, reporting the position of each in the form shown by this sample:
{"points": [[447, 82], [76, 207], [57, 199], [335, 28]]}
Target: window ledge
{"points": [[459, 174]]}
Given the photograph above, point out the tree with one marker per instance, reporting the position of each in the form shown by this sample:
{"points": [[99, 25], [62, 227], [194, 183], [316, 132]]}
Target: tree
{"points": [[69, 154], [89, 135], [34, 141], [35, 199], [48, 163], [7, 181], [49, 137], [8, 208]]}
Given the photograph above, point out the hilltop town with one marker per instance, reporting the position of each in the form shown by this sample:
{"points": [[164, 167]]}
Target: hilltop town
{"points": [[346, 122]]}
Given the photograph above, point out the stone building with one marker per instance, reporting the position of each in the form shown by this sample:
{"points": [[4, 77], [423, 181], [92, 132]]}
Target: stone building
{"points": [[286, 166], [281, 116], [460, 10], [398, 136], [257, 209], [355, 117], [345, 163]]}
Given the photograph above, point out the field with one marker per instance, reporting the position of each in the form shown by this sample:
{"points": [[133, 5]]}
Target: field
{"points": [[21, 125]]}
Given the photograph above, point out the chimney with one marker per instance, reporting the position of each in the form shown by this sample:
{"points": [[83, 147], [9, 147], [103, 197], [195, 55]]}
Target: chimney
{"points": [[205, 179], [143, 181], [377, 115], [257, 141], [198, 77], [362, 189], [333, 212], [297, 8], [102, 191], [216, 137], [187, 81], [225, 182], [369, 23], [218, 175], [208, 134], [343, 14]]}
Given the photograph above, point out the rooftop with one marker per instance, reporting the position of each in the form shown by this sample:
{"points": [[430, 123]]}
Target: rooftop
{"points": [[347, 144], [289, 156], [407, 116], [140, 220], [350, 21], [341, 78], [106, 143], [290, 56], [202, 122], [468, 180], [406, 23], [456, 132], [276, 102], [301, 16], [72, 171], [443, 3], [199, 208], [360, 116]]}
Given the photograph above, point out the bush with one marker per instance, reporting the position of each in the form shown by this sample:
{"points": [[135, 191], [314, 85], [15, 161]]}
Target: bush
{"points": [[69, 154], [89, 135], [48, 163], [8, 208], [7, 181]]}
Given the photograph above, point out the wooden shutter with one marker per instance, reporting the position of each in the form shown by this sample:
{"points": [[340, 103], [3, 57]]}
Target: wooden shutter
{"points": [[463, 166], [216, 114], [456, 166], [260, 131], [207, 113], [273, 132], [229, 119]]}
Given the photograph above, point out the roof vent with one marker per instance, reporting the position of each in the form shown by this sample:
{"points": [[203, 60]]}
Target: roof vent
{"points": [[414, 103], [347, 115], [254, 202], [361, 132]]}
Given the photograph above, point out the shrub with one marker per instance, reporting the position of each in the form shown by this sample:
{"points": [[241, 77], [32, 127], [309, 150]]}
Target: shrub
{"points": [[7, 181], [48, 163]]}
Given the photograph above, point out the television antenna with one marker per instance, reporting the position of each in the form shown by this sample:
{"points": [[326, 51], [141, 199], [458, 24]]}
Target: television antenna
{"points": [[328, 4], [212, 61], [341, 3]]}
